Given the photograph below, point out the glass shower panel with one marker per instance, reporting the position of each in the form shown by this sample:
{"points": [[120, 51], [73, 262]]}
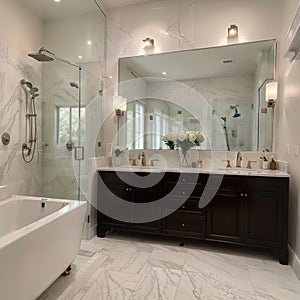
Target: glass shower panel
{"points": [[61, 129]]}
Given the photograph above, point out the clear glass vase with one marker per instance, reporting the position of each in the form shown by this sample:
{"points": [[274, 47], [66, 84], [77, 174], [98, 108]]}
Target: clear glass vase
{"points": [[117, 160], [185, 158]]}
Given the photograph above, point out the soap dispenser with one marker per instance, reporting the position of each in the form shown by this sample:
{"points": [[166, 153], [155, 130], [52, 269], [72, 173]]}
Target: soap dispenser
{"points": [[273, 164]]}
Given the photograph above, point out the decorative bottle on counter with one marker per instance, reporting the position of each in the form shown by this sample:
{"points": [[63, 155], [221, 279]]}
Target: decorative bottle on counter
{"points": [[273, 164]]}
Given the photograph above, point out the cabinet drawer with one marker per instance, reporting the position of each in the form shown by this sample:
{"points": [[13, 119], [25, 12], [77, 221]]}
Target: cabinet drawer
{"points": [[195, 190], [185, 178], [185, 224], [192, 204]]}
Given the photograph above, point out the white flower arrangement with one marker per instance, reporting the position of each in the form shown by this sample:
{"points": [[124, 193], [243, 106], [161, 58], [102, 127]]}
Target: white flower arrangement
{"points": [[183, 139], [169, 140], [118, 150], [187, 140]]}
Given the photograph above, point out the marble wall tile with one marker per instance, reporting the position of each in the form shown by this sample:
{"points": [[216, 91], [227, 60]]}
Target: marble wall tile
{"points": [[22, 178]]}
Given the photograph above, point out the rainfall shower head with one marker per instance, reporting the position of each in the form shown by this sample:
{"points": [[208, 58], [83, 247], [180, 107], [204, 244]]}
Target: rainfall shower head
{"points": [[43, 55], [236, 112]]}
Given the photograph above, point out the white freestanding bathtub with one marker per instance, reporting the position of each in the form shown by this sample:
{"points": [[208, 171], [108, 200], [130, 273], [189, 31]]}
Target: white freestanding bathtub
{"points": [[37, 243]]}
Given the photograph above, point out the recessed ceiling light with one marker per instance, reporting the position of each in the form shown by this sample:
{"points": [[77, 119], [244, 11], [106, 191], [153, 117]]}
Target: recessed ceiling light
{"points": [[89, 42], [164, 73], [56, 0], [80, 57]]}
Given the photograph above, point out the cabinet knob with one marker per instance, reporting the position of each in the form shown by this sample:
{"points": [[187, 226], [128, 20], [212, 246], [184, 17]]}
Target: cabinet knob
{"points": [[246, 195], [183, 193], [183, 180], [242, 195], [182, 225], [183, 207]]}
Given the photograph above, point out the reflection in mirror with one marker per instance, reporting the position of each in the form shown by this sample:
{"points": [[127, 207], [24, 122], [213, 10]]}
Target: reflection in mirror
{"points": [[232, 80]]}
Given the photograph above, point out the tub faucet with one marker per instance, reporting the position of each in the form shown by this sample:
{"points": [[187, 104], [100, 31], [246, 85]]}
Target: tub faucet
{"points": [[239, 160], [143, 156]]}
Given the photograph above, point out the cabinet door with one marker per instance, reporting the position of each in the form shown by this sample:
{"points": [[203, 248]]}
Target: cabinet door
{"points": [[263, 218], [105, 193], [140, 197], [225, 216]]}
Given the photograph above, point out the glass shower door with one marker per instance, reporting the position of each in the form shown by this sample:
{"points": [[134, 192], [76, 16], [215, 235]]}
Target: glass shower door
{"points": [[63, 127]]}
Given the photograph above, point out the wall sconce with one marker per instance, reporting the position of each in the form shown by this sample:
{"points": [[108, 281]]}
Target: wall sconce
{"points": [[120, 105], [233, 31], [271, 93], [148, 43]]}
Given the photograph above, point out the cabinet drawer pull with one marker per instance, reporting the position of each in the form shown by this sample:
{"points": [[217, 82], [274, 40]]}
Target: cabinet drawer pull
{"points": [[182, 225]]}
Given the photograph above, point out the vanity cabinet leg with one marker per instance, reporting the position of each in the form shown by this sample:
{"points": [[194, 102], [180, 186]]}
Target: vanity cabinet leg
{"points": [[101, 233], [283, 256]]}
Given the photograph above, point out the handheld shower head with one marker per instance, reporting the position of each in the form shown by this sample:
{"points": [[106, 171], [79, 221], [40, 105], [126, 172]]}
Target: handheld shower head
{"points": [[42, 55], [26, 83]]}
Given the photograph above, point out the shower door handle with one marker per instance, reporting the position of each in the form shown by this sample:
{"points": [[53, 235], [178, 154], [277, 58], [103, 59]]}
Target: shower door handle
{"points": [[79, 153]]}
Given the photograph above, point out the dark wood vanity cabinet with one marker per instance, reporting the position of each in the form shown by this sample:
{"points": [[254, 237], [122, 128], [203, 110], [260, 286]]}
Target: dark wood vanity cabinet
{"points": [[245, 210]]}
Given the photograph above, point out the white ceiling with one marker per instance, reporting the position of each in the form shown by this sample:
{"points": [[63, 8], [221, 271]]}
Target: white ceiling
{"points": [[49, 9], [201, 63], [108, 4]]}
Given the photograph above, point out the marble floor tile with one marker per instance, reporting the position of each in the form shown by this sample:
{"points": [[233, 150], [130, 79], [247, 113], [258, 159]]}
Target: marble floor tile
{"points": [[112, 285], [130, 260], [204, 286], [66, 287], [157, 283], [167, 259], [226, 265], [137, 269], [275, 282]]}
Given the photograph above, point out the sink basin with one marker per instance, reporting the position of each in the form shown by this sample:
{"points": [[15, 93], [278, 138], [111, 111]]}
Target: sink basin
{"points": [[140, 168], [245, 171]]}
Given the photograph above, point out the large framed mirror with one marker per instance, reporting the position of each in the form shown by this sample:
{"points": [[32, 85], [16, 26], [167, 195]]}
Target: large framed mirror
{"points": [[231, 79]]}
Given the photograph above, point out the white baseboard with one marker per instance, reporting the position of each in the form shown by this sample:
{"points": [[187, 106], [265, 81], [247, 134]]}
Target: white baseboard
{"points": [[294, 261]]}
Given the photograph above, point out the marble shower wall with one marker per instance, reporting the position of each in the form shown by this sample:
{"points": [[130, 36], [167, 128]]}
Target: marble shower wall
{"points": [[27, 34], [180, 25]]}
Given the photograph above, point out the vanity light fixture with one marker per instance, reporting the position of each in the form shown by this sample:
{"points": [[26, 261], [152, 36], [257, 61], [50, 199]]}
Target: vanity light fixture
{"points": [[271, 93], [119, 103], [80, 57], [148, 43], [89, 42], [233, 31], [164, 73]]}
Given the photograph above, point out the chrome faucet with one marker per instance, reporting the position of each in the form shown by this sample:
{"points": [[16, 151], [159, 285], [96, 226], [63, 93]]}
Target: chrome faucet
{"points": [[239, 160], [143, 156]]}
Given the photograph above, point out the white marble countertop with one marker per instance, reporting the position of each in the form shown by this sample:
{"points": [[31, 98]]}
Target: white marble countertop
{"points": [[226, 171]]}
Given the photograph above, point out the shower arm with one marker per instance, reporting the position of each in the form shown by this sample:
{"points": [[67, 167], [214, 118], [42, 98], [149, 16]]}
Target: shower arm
{"points": [[52, 55]]}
